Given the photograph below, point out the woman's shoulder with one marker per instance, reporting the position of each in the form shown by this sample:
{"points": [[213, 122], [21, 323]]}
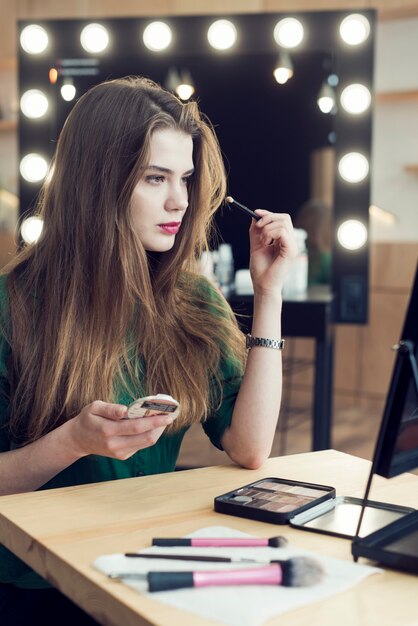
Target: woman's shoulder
{"points": [[206, 290]]}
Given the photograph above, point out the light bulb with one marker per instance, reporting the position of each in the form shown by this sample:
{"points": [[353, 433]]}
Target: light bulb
{"points": [[222, 34], [157, 36], [31, 229], [33, 167], [34, 103], [355, 98], [326, 98], [68, 92], [354, 29], [94, 38], [34, 39], [288, 32], [284, 69], [353, 167], [184, 91], [352, 234], [325, 104], [282, 75]]}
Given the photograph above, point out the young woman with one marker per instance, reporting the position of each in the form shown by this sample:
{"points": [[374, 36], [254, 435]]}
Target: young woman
{"points": [[108, 306]]}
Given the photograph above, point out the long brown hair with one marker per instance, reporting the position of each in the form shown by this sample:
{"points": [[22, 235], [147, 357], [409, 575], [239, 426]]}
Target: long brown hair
{"points": [[88, 313]]}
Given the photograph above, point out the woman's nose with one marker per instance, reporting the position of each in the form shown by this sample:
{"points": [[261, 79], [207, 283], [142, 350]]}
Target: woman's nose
{"points": [[178, 199]]}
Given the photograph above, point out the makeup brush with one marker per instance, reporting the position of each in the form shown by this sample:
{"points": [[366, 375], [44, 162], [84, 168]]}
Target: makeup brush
{"points": [[224, 542], [193, 557], [242, 207], [296, 572]]}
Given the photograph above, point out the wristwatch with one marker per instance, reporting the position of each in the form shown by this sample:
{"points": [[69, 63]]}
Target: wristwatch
{"points": [[254, 342]]}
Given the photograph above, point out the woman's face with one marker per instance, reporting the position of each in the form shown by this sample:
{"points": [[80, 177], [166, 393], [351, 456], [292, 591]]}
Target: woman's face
{"points": [[160, 198]]}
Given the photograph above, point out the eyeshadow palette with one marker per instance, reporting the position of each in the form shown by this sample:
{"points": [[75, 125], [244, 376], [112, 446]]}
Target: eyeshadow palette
{"points": [[273, 500]]}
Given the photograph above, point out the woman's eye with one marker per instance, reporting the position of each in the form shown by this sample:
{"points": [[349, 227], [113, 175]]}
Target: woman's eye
{"points": [[187, 179], [155, 179]]}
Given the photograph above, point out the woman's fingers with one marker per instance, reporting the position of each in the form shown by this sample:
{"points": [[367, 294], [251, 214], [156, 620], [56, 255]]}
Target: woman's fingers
{"points": [[268, 216], [275, 227], [142, 425], [107, 410], [122, 447], [101, 429]]}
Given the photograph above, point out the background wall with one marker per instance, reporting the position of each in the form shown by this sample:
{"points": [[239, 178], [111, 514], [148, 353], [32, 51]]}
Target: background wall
{"points": [[395, 143]]}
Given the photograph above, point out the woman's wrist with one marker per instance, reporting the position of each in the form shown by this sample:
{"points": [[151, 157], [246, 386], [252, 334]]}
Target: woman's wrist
{"points": [[267, 312], [268, 298], [68, 438]]}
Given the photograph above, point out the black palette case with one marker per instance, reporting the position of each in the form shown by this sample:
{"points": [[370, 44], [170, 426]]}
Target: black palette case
{"points": [[273, 500], [395, 545]]}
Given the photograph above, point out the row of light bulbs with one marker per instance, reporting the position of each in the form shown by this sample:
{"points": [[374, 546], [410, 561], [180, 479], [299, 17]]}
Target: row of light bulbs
{"points": [[355, 98], [353, 167], [222, 34]]}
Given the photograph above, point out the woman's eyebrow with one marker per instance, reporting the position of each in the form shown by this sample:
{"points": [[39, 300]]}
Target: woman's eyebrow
{"points": [[166, 170]]}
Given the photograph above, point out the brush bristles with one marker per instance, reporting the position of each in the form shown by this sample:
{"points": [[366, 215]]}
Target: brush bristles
{"points": [[301, 571], [229, 199], [278, 542]]}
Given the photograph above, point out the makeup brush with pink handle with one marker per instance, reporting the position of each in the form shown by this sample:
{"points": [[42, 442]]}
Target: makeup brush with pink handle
{"points": [[295, 572]]}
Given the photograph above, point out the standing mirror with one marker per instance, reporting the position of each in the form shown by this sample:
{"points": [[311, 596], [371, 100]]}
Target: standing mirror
{"points": [[396, 544]]}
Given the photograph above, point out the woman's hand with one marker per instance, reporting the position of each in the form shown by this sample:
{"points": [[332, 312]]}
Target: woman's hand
{"points": [[272, 250], [100, 428]]}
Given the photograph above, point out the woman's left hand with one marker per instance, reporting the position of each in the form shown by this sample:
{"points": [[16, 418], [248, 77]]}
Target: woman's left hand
{"points": [[272, 250]]}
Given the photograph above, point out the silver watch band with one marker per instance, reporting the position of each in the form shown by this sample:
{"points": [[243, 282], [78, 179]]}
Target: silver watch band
{"points": [[253, 342]]}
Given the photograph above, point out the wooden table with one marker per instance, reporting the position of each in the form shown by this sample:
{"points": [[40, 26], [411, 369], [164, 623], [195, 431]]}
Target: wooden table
{"points": [[60, 533]]}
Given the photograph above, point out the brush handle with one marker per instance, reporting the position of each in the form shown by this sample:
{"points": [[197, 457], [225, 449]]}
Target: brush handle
{"points": [[245, 209], [181, 557], [197, 542], [166, 581], [171, 542]]}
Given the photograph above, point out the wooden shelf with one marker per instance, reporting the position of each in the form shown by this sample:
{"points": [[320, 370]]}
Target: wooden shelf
{"points": [[8, 126], [397, 96], [411, 169]]}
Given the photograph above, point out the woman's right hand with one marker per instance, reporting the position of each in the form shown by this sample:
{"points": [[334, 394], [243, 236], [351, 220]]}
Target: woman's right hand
{"points": [[100, 429]]}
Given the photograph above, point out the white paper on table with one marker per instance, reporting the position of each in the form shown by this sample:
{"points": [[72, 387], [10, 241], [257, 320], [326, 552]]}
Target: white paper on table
{"points": [[236, 605]]}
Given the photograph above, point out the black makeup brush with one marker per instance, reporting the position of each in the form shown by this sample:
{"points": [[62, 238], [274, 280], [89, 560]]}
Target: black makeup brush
{"points": [[221, 542], [242, 207], [194, 557], [295, 572]]}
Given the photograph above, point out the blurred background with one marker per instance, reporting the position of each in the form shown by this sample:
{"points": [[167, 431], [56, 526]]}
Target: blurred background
{"points": [[285, 122]]}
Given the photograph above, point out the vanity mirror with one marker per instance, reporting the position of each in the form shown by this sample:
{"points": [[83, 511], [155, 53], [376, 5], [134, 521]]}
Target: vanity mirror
{"points": [[283, 142], [396, 451]]}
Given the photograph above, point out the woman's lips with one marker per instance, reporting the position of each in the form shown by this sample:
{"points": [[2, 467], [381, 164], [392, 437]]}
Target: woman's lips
{"points": [[172, 228]]}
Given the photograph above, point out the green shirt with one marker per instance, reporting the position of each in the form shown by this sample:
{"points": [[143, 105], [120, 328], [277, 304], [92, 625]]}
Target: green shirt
{"points": [[156, 459]]}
